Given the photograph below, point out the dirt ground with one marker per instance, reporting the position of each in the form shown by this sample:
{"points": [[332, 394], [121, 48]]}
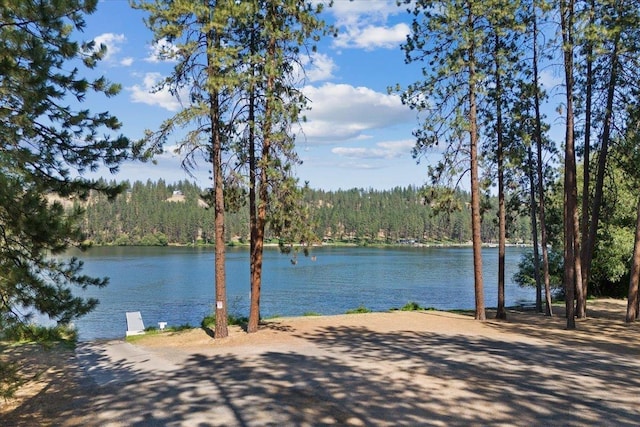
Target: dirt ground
{"points": [[399, 368]]}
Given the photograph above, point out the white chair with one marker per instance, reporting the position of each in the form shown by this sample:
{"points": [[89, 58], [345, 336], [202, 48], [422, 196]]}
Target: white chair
{"points": [[134, 323]]}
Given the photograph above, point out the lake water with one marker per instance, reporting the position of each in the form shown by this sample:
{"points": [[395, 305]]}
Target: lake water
{"points": [[175, 285]]}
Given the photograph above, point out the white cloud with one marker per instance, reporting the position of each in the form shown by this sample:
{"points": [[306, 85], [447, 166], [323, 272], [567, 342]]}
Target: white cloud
{"points": [[364, 24], [381, 150], [145, 93], [314, 67], [351, 165], [373, 37], [363, 137], [127, 62], [171, 151], [398, 147], [112, 42], [319, 67], [340, 112], [550, 81], [161, 51], [352, 12]]}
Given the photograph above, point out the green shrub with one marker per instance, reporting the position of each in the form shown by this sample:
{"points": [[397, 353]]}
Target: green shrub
{"points": [[237, 320], [41, 334], [178, 328], [412, 306], [155, 239], [210, 321], [524, 277], [311, 314], [358, 310], [122, 240], [154, 330], [183, 327]]}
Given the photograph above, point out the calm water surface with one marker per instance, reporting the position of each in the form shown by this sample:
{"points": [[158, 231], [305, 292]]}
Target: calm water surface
{"points": [[175, 285]]}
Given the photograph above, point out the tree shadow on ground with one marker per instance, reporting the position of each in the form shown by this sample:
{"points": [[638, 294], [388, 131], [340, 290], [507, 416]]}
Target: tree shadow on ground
{"points": [[356, 376], [48, 371], [521, 383], [604, 329]]}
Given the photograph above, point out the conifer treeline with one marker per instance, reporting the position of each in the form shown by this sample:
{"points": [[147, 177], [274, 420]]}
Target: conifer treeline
{"points": [[157, 213]]}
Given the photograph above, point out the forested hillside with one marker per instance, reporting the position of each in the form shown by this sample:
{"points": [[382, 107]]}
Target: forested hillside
{"points": [[157, 213]]}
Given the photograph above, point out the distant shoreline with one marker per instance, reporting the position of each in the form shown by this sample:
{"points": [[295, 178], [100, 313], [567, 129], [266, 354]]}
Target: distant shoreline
{"points": [[334, 244]]}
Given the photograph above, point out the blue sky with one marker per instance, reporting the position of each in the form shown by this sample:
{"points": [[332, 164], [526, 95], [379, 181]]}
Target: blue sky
{"points": [[356, 135]]}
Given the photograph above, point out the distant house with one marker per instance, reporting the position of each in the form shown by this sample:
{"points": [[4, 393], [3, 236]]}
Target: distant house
{"points": [[407, 241], [178, 196]]}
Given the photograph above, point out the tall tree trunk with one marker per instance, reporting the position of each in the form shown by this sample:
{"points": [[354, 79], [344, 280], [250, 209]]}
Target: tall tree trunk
{"points": [[221, 330], [254, 254], [263, 186], [577, 259], [501, 312], [570, 190], [220, 275], [534, 229], [475, 185], [539, 140], [602, 163], [634, 277], [581, 307]]}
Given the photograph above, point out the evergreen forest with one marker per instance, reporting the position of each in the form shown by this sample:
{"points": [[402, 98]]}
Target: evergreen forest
{"points": [[159, 213]]}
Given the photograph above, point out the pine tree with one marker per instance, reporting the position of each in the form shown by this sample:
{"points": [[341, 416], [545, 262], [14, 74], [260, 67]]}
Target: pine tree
{"points": [[48, 143], [503, 49], [447, 37], [616, 63], [539, 139], [208, 60], [276, 32]]}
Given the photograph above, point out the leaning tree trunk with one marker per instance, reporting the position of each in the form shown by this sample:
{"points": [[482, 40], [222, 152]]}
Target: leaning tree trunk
{"points": [[602, 165], [581, 307]]}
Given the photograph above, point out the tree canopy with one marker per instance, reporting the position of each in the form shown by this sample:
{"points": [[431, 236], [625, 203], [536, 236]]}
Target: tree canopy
{"points": [[48, 142]]}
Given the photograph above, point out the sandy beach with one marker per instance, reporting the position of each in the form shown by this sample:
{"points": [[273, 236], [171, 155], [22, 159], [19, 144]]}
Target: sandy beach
{"points": [[375, 369]]}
